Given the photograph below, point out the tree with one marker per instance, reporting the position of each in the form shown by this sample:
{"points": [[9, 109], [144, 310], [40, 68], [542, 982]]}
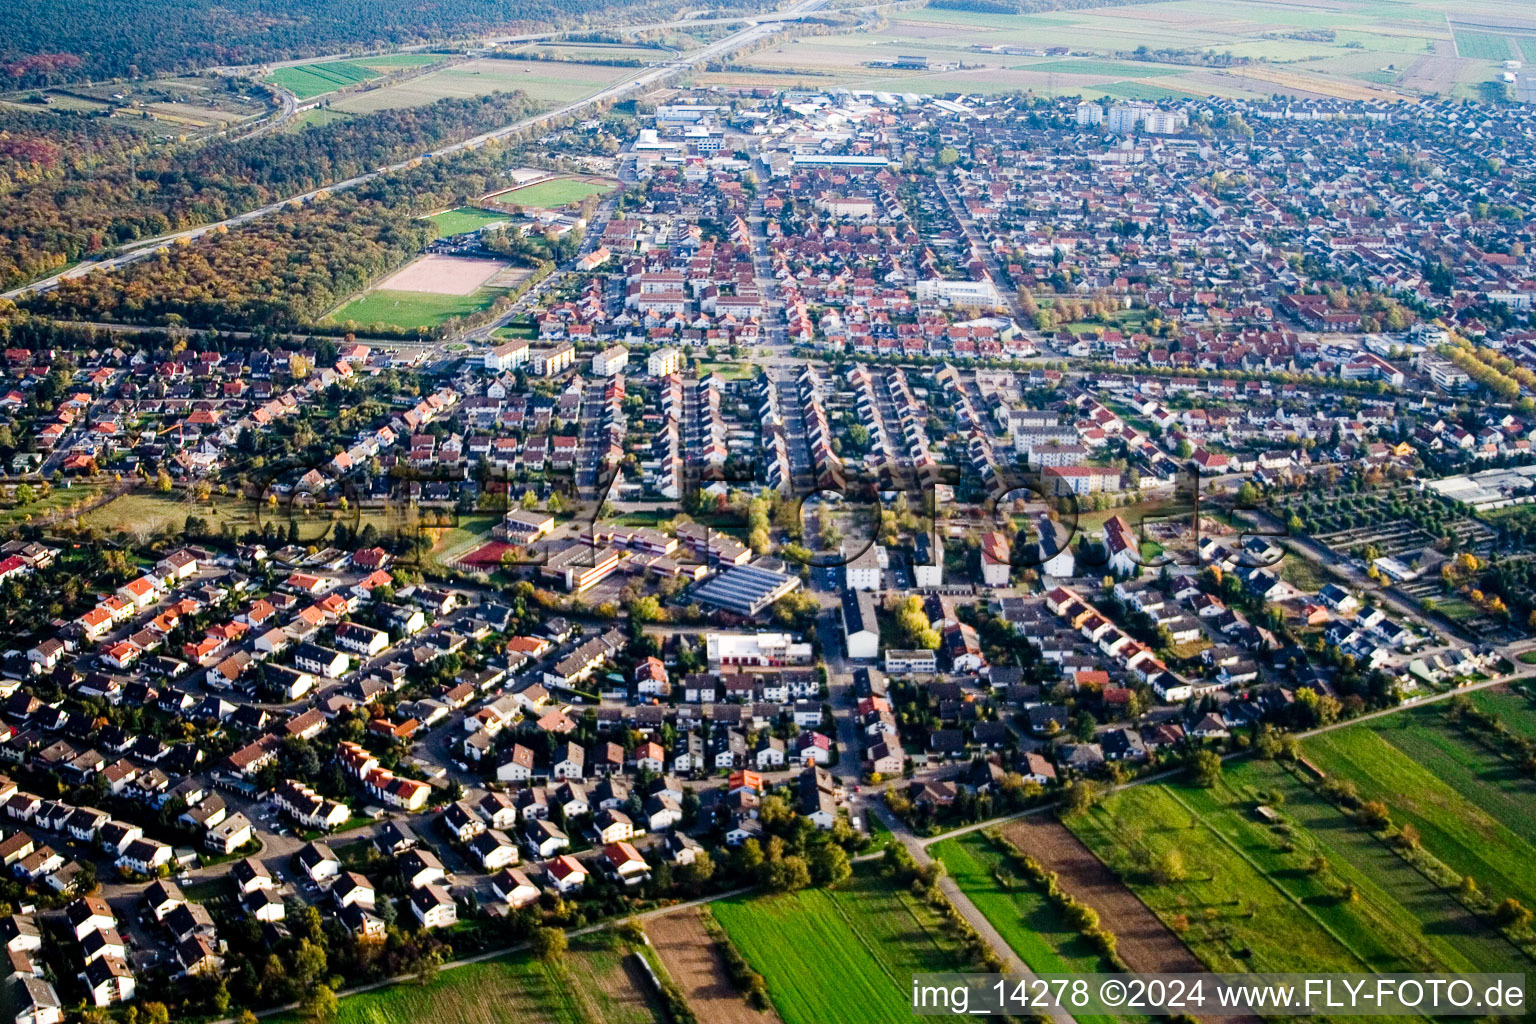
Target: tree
{"points": [[644, 608], [322, 1006], [1168, 867], [829, 864], [549, 944], [1205, 768], [1512, 914], [786, 874], [1080, 795], [696, 875], [1373, 814]]}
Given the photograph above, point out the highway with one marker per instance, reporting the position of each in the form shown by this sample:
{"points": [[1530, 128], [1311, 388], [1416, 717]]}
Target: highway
{"points": [[642, 79]]}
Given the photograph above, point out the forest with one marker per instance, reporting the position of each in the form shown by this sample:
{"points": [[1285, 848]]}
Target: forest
{"points": [[74, 201], [279, 272], [38, 145], [47, 42], [288, 269]]}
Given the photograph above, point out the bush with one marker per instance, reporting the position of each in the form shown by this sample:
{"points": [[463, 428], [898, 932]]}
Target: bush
{"points": [[1373, 814]]}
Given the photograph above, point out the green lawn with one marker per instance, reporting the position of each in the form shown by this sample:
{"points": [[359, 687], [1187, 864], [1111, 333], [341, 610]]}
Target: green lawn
{"points": [[144, 512], [317, 117], [465, 218], [60, 498], [1454, 827], [592, 986], [840, 957], [1032, 927], [1302, 573], [554, 194], [412, 309]]}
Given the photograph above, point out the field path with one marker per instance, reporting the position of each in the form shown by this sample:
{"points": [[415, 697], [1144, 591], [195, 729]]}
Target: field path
{"points": [[968, 910], [1146, 944], [693, 960]]}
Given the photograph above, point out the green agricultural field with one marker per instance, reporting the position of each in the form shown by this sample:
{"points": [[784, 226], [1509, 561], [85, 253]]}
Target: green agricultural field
{"points": [[1142, 91], [1456, 758], [1266, 32], [1032, 927], [1232, 915], [465, 218], [309, 80], [1399, 920], [1514, 709], [1117, 68], [549, 83], [593, 985], [549, 195], [412, 309], [1454, 825], [1483, 45], [840, 957]]}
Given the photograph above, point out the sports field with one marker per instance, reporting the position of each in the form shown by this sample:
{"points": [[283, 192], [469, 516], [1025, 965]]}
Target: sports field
{"points": [[409, 310], [550, 195], [309, 80], [441, 274], [597, 983], [846, 955], [465, 218]]}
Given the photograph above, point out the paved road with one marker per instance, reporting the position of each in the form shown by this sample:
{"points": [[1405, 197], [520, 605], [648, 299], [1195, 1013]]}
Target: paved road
{"points": [[637, 81]]}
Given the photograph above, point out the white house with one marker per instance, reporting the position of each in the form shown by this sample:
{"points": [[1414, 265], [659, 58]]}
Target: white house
{"points": [[861, 630], [433, 907]]}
